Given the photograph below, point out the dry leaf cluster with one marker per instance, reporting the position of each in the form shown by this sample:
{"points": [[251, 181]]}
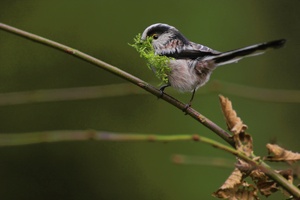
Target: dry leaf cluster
{"points": [[236, 187], [280, 154]]}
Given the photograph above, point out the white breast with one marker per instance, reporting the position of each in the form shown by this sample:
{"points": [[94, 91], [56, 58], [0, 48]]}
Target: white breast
{"points": [[183, 76]]}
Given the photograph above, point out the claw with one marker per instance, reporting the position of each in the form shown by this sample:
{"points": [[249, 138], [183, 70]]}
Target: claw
{"points": [[186, 107], [162, 88], [161, 94]]}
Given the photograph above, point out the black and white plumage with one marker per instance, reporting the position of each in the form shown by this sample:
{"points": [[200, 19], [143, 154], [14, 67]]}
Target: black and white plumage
{"points": [[194, 63]]}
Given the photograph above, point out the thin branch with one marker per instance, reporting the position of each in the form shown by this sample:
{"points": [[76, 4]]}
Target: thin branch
{"points": [[68, 94], [13, 139], [122, 89], [78, 54], [203, 161]]}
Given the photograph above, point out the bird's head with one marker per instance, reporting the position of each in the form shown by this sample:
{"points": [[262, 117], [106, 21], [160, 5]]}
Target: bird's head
{"points": [[166, 39]]}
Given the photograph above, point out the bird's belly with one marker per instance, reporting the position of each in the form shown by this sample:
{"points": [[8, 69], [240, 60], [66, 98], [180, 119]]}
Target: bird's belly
{"points": [[184, 78]]}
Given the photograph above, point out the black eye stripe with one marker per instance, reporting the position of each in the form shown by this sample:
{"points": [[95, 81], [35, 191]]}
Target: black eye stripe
{"points": [[155, 36]]}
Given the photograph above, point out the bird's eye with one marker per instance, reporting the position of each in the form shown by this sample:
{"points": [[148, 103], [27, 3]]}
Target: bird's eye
{"points": [[155, 36]]}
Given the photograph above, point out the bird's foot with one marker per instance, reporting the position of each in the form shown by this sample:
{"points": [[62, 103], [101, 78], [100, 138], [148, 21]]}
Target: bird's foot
{"points": [[161, 94], [186, 107], [161, 89]]}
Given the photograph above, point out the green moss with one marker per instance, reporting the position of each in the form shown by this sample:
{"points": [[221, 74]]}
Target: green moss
{"points": [[159, 64]]}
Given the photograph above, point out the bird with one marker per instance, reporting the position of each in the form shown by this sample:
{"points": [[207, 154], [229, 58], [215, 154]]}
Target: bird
{"points": [[192, 64]]}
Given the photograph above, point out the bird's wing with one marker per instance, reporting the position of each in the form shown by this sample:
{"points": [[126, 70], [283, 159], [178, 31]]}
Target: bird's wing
{"points": [[204, 53], [188, 51]]}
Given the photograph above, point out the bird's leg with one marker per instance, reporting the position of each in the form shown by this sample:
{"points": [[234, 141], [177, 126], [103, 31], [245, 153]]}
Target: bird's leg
{"points": [[162, 88], [190, 102]]}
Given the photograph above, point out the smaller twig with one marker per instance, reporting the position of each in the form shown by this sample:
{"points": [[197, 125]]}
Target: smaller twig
{"points": [[12, 139], [68, 94], [123, 89], [203, 161]]}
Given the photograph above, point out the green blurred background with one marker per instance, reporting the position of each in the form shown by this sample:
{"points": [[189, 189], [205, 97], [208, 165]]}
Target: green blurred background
{"points": [[136, 170]]}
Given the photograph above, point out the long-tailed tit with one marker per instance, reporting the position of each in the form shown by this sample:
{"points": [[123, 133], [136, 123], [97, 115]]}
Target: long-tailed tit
{"points": [[193, 63]]}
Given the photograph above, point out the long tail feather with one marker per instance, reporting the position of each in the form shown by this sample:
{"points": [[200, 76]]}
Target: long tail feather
{"points": [[253, 50]]}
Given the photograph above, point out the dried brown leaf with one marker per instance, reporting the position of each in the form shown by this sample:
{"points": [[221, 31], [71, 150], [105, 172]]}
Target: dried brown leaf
{"points": [[224, 193], [244, 143], [287, 174], [260, 179], [281, 154], [267, 188], [244, 167], [265, 185], [234, 179], [230, 185], [234, 123], [243, 191], [247, 192]]}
